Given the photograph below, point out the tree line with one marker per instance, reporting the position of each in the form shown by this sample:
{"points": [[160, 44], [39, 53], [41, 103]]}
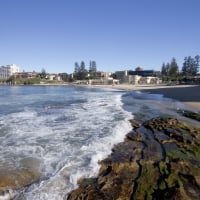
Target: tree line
{"points": [[81, 73], [190, 67]]}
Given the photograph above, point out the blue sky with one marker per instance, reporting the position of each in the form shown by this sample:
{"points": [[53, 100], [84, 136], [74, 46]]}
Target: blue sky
{"points": [[117, 34]]}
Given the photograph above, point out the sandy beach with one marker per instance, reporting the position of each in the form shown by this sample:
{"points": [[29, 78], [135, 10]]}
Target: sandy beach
{"points": [[188, 94]]}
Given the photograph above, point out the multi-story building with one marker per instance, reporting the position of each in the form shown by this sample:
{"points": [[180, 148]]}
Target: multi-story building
{"points": [[137, 77], [26, 74], [8, 70], [122, 76]]}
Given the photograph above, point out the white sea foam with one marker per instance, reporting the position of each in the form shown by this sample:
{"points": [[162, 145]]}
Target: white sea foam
{"points": [[69, 137], [69, 130], [7, 195]]}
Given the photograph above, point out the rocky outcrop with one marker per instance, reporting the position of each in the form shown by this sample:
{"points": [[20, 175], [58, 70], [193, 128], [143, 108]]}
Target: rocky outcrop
{"points": [[159, 159], [190, 114], [16, 177]]}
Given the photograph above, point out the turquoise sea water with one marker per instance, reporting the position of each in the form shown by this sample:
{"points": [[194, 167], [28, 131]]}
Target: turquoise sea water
{"points": [[63, 131]]}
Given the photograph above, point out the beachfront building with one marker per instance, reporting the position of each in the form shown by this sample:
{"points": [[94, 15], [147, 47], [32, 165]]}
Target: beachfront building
{"points": [[26, 74], [137, 77], [149, 80], [53, 77], [143, 73], [106, 81], [134, 79], [103, 78], [7, 71], [122, 76], [102, 75]]}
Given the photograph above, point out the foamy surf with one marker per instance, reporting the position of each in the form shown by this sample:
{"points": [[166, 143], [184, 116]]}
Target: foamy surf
{"points": [[7, 194], [68, 129]]}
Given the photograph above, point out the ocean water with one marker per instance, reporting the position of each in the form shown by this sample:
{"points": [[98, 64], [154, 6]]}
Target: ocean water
{"points": [[61, 132]]}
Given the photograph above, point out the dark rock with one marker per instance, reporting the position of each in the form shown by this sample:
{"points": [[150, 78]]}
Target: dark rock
{"points": [[190, 114], [133, 135], [157, 160], [134, 123], [16, 177]]}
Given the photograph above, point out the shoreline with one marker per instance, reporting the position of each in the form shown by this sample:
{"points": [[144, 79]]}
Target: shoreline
{"points": [[105, 170], [157, 160], [187, 94]]}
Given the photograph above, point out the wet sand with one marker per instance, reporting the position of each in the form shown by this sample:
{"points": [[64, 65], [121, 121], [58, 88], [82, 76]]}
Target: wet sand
{"points": [[188, 94]]}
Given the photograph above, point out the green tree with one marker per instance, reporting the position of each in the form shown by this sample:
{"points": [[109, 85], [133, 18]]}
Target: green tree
{"points": [[164, 70], [92, 69], [76, 70], [190, 66], [83, 71], [173, 69], [197, 61], [76, 67], [80, 72], [170, 70], [11, 80], [43, 73], [167, 69], [82, 66]]}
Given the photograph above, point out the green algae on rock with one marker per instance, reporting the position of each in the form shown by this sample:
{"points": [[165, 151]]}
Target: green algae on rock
{"points": [[159, 159], [190, 114]]}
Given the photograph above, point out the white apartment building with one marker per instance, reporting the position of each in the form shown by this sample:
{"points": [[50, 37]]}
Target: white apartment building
{"points": [[8, 70]]}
